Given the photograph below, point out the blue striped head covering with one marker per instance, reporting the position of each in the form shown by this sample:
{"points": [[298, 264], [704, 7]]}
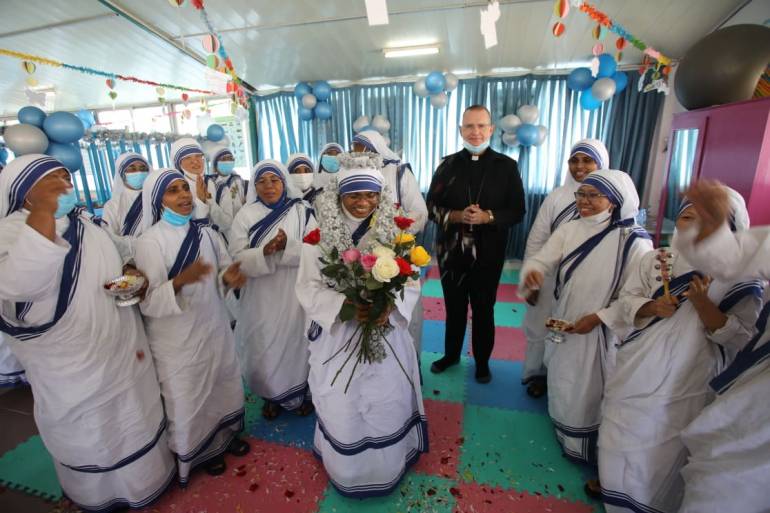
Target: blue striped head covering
{"points": [[299, 159], [184, 147], [331, 146], [360, 180], [152, 193], [219, 155], [18, 178], [277, 168], [374, 142], [739, 214], [619, 189], [125, 160], [595, 149]]}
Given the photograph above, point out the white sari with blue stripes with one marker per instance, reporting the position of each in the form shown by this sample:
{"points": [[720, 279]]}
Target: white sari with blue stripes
{"points": [[11, 371], [660, 384], [368, 437]]}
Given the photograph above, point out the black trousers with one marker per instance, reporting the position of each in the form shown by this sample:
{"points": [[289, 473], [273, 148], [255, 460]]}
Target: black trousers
{"points": [[478, 285]]}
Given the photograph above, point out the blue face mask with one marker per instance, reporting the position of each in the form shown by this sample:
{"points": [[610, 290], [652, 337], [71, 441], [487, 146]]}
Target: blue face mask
{"points": [[225, 167], [173, 218], [476, 150], [330, 163], [135, 180], [67, 202]]}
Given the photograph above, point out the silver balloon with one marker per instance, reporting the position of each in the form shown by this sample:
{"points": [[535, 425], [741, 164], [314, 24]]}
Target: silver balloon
{"points": [[381, 124], [528, 114], [361, 123], [603, 89], [542, 133], [23, 139], [510, 139], [451, 82], [309, 101], [509, 123], [420, 89], [439, 100]]}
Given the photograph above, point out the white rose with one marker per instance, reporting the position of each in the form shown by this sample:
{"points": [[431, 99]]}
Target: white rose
{"points": [[384, 269], [383, 251]]}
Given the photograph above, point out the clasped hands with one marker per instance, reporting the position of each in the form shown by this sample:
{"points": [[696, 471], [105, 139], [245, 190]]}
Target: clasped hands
{"points": [[472, 214]]}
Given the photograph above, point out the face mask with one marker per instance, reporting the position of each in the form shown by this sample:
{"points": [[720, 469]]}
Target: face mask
{"points": [[597, 218], [476, 150], [67, 202], [135, 180], [302, 181], [173, 218], [330, 163], [225, 167]]}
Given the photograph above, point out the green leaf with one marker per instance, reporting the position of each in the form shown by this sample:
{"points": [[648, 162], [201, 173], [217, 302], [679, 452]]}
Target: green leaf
{"points": [[347, 312], [372, 284]]}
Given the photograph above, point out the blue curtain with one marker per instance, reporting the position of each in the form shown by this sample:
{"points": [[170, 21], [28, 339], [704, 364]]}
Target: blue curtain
{"points": [[424, 135]]}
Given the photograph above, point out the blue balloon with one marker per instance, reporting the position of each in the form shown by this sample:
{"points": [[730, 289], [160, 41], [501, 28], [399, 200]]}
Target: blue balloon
{"points": [[215, 133], [305, 114], [588, 101], [527, 134], [621, 81], [86, 117], [435, 82], [301, 89], [31, 116], [67, 154], [323, 111], [63, 127], [3, 155], [607, 66], [322, 90], [580, 79]]}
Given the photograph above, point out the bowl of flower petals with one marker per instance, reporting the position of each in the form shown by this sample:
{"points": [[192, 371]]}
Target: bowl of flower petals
{"points": [[557, 328], [124, 289]]}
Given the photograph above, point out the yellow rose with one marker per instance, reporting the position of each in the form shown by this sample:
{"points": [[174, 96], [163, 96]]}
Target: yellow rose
{"points": [[419, 256], [403, 238], [383, 251], [384, 269]]}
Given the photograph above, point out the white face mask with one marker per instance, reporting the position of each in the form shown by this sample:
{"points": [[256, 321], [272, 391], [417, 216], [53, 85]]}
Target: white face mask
{"points": [[302, 181], [597, 218]]}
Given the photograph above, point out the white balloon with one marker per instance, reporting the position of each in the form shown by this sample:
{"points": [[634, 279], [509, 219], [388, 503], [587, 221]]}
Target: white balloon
{"points": [[361, 123], [510, 139], [528, 114], [509, 123], [451, 82], [603, 89], [420, 89], [439, 100], [309, 101], [23, 139], [381, 124], [542, 133]]}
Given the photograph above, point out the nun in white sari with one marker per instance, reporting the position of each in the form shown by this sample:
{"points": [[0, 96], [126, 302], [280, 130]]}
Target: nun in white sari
{"points": [[558, 208], [266, 238], [97, 400], [370, 435], [590, 258], [662, 370], [327, 167], [123, 211], [226, 188], [187, 156], [302, 175], [189, 270]]}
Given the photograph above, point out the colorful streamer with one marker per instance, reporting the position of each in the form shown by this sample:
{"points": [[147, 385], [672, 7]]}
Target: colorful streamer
{"points": [[91, 71]]}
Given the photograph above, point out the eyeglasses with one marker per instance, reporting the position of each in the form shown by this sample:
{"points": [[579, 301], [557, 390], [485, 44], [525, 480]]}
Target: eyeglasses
{"points": [[590, 196], [476, 127]]}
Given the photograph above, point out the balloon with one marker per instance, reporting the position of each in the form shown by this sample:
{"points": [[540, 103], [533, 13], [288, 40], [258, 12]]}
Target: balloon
{"points": [[67, 154], [309, 101], [527, 134], [215, 132], [603, 89], [381, 124], [322, 90], [435, 82], [451, 82], [305, 114], [23, 139], [607, 66], [528, 114], [542, 133], [3, 155], [86, 117], [420, 89], [439, 100], [621, 81], [360, 123], [63, 127], [580, 79], [510, 139], [587, 100], [301, 89], [723, 67], [31, 116], [509, 123], [323, 111]]}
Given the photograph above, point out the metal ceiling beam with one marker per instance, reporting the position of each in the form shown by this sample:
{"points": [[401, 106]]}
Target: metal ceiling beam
{"points": [[58, 24]]}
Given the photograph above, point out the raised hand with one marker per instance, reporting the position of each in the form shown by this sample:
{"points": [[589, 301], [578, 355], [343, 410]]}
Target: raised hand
{"points": [[193, 273], [44, 196], [200, 189], [699, 289], [233, 277], [277, 243]]}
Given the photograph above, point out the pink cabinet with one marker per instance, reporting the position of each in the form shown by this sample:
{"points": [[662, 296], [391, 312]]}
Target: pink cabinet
{"points": [[729, 143]]}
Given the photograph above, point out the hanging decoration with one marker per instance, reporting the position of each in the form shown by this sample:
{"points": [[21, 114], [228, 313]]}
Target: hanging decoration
{"points": [[520, 128], [437, 85], [314, 100], [560, 10], [29, 68]]}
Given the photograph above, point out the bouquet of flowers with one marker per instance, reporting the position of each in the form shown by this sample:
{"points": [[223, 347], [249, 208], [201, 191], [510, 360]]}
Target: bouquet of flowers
{"points": [[371, 280]]}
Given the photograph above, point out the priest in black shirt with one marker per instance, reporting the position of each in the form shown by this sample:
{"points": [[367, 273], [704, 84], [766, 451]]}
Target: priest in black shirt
{"points": [[475, 197]]}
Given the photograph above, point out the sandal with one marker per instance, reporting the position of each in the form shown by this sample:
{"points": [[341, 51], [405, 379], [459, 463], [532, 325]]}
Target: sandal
{"points": [[306, 409], [216, 466], [271, 410], [537, 387], [238, 447], [593, 489]]}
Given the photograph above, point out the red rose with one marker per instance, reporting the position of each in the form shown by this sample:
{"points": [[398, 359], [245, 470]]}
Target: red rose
{"points": [[313, 237], [404, 267], [403, 222]]}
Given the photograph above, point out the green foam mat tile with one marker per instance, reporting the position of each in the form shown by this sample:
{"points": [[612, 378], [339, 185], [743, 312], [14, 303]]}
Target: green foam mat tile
{"points": [[510, 276], [432, 288], [447, 386], [509, 315], [518, 450], [29, 468], [417, 493]]}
